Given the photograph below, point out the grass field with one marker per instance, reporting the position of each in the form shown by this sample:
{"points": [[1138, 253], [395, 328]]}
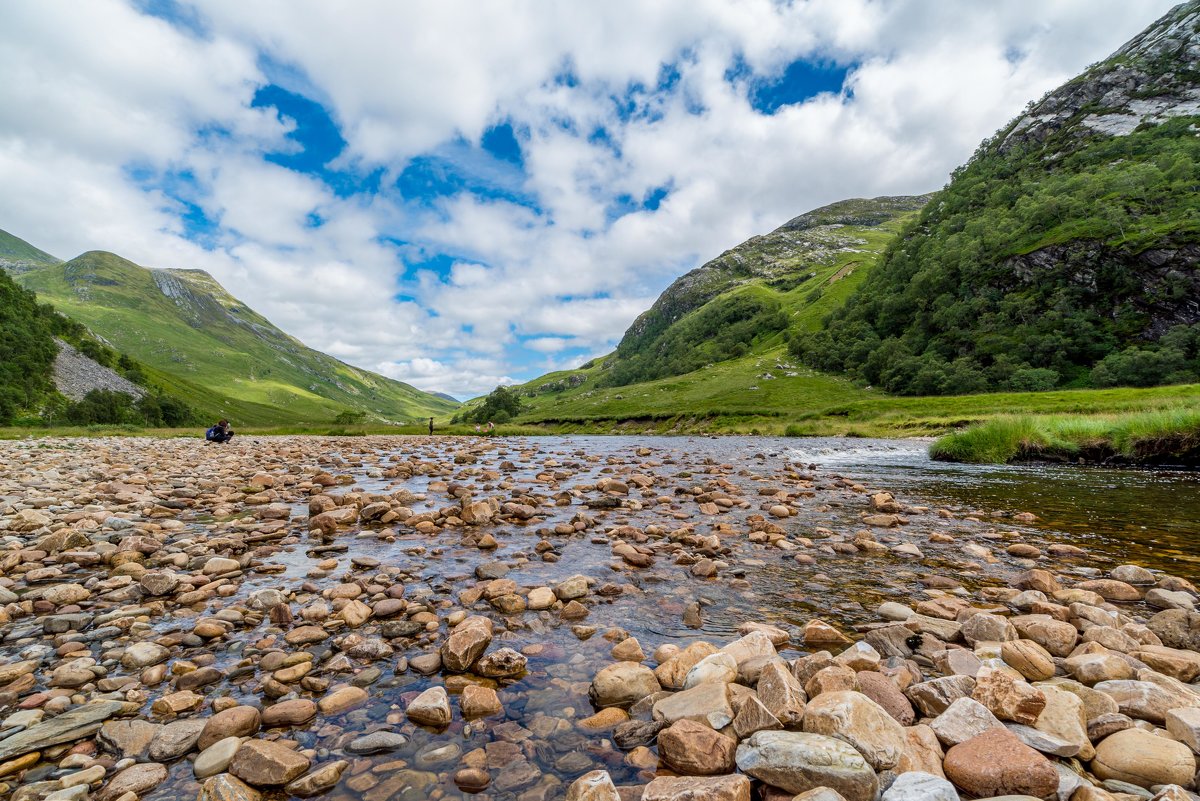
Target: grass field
{"points": [[1168, 436]]}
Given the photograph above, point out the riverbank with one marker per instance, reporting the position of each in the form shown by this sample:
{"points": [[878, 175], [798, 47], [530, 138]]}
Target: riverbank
{"points": [[411, 618], [1167, 437], [803, 410]]}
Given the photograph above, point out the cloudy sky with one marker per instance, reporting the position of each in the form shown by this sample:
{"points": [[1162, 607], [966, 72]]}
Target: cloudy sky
{"points": [[460, 194]]}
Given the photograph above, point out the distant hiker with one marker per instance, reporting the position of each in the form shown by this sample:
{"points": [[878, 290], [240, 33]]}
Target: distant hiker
{"points": [[430, 425], [221, 432], [491, 426]]}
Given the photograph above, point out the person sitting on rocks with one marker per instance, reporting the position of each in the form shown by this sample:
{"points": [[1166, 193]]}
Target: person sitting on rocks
{"points": [[221, 432]]}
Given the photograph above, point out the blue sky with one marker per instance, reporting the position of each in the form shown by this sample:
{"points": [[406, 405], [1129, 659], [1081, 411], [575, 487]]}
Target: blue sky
{"points": [[463, 216]]}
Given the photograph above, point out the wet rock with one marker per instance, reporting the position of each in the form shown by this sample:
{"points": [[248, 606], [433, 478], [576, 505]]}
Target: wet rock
{"points": [[798, 762], [466, 643], [472, 780], [137, 779], [238, 721], [378, 742], [479, 702], [634, 733], [430, 708], [694, 749], [128, 739], [265, 763], [144, 654], [996, 763], [176, 739], [596, 785], [65, 728], [216, 758], [1138, 757], [502, 663], [343, 700], [293, 712], [317, 781], [224, 787], [623, 684]]}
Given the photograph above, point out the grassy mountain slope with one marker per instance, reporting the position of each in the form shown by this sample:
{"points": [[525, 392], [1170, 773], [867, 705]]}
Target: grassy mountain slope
{"points": [[18, 256], [206, 344], [803, 270], [743, 300], [1065, 253]]}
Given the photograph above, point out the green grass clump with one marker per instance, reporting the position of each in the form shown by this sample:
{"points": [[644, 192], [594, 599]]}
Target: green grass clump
{"points": [[1164, 436]]}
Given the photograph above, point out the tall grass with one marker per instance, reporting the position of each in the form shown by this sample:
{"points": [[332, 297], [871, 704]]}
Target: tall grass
{"points": [[1162, 436]]}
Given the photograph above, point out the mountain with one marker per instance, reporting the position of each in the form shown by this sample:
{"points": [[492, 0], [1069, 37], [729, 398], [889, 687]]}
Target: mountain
{"points": [[757, 290], [202, 343], [715, 341], [1066, 252], [18, 256]]}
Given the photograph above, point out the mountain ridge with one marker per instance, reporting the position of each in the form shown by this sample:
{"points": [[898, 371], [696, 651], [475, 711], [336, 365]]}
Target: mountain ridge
{"points": [[188, 328]]}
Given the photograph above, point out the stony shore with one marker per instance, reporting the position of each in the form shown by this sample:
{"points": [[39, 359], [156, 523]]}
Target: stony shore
{"points": [[422, 618]]}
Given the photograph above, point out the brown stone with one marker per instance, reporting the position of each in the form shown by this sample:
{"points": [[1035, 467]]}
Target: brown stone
{"points": [[694, 749], [996, 763]]}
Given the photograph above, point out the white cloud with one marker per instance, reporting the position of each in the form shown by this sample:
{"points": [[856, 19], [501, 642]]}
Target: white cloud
{"points": [[102, 106]]}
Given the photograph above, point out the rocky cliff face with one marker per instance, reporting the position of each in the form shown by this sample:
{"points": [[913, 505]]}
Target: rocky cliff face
{"points": [[1151, 79]]}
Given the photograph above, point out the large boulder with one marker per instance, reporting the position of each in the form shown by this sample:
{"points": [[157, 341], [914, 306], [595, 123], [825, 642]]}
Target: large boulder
{"points": [[265, 763], [623, 684], [854, 718], [466, 643], [1139, 757], [997, 763], [693, 749], [798, 762]]}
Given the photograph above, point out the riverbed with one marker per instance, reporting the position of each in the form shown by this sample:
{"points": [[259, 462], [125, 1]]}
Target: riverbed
{"points": [[687, 508]]}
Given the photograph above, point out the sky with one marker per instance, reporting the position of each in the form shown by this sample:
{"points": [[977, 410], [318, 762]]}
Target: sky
{"points": [[460, 194]]}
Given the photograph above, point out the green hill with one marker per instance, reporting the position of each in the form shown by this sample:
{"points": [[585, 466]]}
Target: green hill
{"points": [[1065, 253], [202, 343], [18, 256], [714, 342]]}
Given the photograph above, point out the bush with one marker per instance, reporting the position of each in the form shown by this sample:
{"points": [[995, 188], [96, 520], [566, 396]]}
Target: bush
{"points": [[501, 405], [349, 417], [104, 407], [1033, 379]]}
